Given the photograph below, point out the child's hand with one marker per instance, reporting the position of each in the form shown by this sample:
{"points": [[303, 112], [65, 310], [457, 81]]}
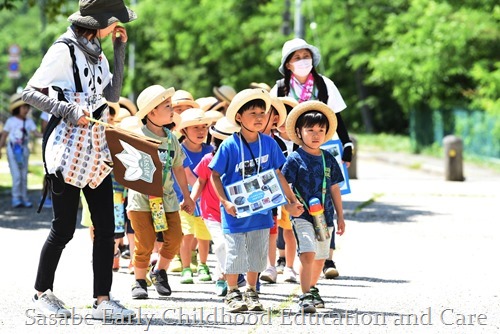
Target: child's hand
{"points": [[294, 209], [187, 205], [340, 226], [230, 208]]}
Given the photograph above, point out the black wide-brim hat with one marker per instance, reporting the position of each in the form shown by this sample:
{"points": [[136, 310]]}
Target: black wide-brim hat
{"points": [[100, 14]]}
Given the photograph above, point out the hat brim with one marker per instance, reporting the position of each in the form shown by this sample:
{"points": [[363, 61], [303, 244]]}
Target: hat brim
{"points": [[280, 107], [16, 104], [121, 115], [155, 101], [288, 101], [242, 98], [314, 50], [194, 117], [103, 19], [223, 129], [307, 106], [214, 115], [222, 95], [189, 103], [127, 104]]}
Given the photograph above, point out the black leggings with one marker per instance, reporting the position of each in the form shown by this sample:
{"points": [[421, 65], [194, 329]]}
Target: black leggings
{"points": [[65, 206]]}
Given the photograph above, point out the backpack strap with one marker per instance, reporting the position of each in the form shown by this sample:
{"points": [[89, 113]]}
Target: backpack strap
{"points": [[49, 181], [322, 90], [281, 87]]}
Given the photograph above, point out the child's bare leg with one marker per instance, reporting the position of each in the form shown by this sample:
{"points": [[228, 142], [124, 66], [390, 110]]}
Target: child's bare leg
{"points": [[306, 270]]}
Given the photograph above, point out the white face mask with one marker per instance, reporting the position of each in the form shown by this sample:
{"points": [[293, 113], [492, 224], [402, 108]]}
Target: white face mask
{"points": [[301, 68]]}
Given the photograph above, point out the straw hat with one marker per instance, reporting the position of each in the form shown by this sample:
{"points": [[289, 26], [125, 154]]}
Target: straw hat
{"points": [[16, 101], [243, 97], [280, 107], [214, 115], [121, 115], [262, 85], [296, 44], [210, 103], [289, 102], [99, 14], [132, 124], [151, 97], [184, 98], [127, 104], [192, 117], [114, 107], [224, 93], [304, 107], [223, 129]]}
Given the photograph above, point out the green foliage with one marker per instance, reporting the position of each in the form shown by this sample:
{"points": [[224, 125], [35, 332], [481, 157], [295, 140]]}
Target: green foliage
{"points": [[431, 50], [387, 57]]}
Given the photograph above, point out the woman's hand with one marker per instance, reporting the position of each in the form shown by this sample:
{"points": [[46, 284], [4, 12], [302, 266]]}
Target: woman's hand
{"points": [[119, 32]]}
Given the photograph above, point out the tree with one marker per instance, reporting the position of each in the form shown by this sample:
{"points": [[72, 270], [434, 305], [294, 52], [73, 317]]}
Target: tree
{"points": [[431, 51]]}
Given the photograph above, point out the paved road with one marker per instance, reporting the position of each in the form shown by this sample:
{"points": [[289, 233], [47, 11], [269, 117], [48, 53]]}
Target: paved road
{"points": [[418, 256]]}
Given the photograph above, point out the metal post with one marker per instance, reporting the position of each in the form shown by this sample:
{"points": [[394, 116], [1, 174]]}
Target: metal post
{"points": [[453, 149], [299, 22]]}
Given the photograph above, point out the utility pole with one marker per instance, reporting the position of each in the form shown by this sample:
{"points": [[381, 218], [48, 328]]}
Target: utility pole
{"points": [[131, 61], [299, 21], [285, 29]]}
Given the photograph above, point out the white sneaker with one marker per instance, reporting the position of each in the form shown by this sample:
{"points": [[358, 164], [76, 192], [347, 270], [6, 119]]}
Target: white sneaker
{"points": [[49, 305], [269, 275], [289, 275], [111, 310]]}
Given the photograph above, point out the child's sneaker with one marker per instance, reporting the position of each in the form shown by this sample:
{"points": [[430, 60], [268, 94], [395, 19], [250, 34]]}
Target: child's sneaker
{"points": [[280, 265], [175, 265], [269, 275], [318, 302], [234, 301], [306, 303], [251, 298], [204, 273], [289, 275], [221, 288], [160, 281], [112, 310], [140, 289], [187, 276], [49, 305], [330, 270], [27, 204]]}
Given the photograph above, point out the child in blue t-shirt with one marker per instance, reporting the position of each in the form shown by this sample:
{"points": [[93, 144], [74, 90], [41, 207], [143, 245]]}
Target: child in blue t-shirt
{"points": [[241, 156], [313, 173]]}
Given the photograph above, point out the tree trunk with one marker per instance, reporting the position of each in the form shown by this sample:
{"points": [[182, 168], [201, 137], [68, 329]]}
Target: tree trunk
{"points": [[366, 113]]}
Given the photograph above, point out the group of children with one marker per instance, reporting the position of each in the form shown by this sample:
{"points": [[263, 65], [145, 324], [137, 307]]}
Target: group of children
{"points": [[243, 146]]}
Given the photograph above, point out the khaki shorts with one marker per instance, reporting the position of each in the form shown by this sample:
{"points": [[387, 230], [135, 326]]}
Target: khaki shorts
{"points": [[306, 239], [194, 225]]}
